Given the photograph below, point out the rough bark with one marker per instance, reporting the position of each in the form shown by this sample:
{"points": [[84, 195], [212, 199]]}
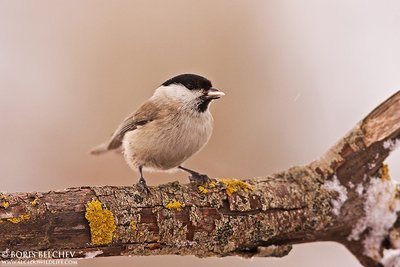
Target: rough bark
{"points": [[335, 198]]}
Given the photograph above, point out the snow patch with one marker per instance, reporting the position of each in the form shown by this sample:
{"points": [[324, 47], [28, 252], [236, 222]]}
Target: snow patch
{"points": [[92, 254], [359, 189], [335, 185], [371, 165], [391, 144], [380, 209], [391, 258]]}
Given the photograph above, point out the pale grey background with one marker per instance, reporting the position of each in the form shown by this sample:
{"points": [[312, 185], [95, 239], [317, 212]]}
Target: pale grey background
{"points": [[298, 75]]}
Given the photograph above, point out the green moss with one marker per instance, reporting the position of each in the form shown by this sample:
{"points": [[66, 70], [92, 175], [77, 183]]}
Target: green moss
{"points": [[101, 223]]}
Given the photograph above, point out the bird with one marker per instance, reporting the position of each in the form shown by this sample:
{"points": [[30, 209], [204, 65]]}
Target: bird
{"points": [[167, 129]]}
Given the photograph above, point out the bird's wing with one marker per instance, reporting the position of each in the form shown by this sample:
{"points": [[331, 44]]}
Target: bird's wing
{"points": [[146, 113]]}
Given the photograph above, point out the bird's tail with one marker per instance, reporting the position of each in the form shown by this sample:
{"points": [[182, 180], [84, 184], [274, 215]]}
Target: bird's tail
{"points": [[100, 149]]}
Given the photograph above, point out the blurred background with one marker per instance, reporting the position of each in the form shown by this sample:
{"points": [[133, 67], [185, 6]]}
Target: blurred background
{"points": [[298, 75]]}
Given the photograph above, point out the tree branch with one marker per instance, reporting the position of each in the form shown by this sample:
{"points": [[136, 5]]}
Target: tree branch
{"points": [[346, 196]]}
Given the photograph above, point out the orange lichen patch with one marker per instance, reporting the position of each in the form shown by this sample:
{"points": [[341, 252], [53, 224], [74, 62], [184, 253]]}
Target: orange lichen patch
{"points": [[233, 185], [384, 172], [174, 205], [19, 219], [101, 223]]}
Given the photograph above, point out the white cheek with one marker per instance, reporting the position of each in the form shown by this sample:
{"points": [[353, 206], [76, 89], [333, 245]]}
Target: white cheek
{"points": [[177, 92]]}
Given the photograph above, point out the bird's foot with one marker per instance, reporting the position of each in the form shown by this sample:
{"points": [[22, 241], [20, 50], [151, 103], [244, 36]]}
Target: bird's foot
{"points": [[195, 177], [143, 186]]}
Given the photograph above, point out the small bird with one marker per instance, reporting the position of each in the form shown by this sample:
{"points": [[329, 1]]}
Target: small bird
{"points": [[167, 129]]}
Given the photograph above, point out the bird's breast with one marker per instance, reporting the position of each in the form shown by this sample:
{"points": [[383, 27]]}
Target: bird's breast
{"points": [[167, 143]]}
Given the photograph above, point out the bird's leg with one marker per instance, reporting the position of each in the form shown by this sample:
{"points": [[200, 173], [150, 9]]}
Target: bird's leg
{"points": [[196, 177], [142, 182]]}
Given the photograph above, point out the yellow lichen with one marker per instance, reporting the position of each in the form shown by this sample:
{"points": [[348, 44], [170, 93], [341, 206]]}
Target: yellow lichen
{"points": [[174, 205], [4, 201], [384, 172], [233, 185], [133, 225], [19, 219], [35, 201], [204, 189], [5, 204], [101, 223], [212, 184]]}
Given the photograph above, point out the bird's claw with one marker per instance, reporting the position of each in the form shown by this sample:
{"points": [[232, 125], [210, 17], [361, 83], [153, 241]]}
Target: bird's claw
{"points": [[143, 186], [199, 178]]}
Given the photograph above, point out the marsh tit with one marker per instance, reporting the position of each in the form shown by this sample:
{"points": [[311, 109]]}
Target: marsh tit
{"points": [[167, 129]]}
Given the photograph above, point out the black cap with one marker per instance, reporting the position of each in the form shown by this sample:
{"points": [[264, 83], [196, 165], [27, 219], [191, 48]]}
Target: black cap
{"points": [[190, 81]]}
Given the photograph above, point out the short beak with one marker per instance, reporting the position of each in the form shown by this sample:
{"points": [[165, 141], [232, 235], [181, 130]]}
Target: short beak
{"points": [[214, 93]]}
